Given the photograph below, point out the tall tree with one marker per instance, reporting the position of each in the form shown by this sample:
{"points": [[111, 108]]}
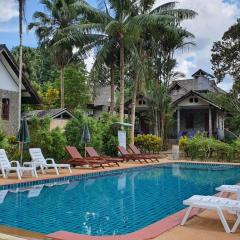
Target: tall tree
{"points": [[21, 17], [226, 54], [59, 30], [150, 43]]}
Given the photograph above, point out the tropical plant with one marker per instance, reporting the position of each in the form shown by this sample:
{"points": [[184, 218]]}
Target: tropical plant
{"points": [[160, 102], [149, 143], [76, 91], [59, 30], [151, 44], [226, 54], [51, 142]]}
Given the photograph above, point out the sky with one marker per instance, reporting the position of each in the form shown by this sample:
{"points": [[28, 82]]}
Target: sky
{"points": [[214, 18]]}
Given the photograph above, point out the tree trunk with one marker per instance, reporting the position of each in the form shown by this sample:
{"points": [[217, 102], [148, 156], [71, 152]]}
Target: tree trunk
{"points": [[122, 83], [62, 86], [156, 132], [112, 92], [133, 110], [20, 60]]}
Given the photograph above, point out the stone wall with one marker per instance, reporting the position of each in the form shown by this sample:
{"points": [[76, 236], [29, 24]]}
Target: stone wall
{"points": [[10, 126]]}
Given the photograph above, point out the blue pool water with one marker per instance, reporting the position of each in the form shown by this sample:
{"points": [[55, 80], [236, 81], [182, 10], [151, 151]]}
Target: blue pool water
{"points": [[113, 204]]}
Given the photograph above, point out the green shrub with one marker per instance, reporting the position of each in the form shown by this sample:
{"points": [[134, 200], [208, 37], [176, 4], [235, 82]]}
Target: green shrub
{"points": [[51, 142], [201, 147], [149, 143], [183, 142], [103, 136], [3, 140], [73, 130]]}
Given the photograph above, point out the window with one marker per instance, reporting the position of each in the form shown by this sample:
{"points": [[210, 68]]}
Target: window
{"points": [[5, 108], [191, 100]]}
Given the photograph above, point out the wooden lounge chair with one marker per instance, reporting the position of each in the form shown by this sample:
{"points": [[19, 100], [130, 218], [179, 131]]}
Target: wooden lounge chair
{"points": [[93, 153], [155, 157], [128, 156], [77, 160]]}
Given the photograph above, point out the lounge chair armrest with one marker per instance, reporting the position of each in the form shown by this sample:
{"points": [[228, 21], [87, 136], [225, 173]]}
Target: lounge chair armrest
{"points": [[28, 164], [15, 162], [50, 160]]}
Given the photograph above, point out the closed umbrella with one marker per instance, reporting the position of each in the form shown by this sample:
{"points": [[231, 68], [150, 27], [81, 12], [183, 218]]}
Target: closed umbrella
{"points": [[86, 136], [23, 136]]}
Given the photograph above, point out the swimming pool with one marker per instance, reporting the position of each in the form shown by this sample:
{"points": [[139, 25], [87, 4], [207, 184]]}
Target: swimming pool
{"points": [[112, 203]]}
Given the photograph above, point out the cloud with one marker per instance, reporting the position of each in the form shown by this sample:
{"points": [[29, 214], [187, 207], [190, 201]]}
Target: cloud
{"points": [[8, 10], [214, 18]]}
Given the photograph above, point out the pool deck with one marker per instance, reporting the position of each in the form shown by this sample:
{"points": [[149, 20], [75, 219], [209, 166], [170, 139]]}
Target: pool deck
{"points": [[204, 225]]}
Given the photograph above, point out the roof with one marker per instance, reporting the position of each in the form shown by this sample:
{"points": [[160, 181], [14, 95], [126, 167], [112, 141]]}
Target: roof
{"points": [[200, 96], [34, 98], [103, 96], [200, 72], [52, 113], [196, 84]]}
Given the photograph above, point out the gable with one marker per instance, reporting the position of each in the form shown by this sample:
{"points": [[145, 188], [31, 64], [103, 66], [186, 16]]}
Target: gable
{"points": [[6, 80], [176, 91], [9, 72], [192, 99]]}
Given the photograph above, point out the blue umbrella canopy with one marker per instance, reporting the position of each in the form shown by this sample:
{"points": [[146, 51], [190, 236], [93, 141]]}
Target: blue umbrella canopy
{"points": [[23, 133], [86, 136]]}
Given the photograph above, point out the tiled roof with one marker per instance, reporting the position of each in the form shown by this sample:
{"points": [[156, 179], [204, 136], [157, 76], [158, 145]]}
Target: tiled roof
{"points": [[46, 113], [197, 85]]}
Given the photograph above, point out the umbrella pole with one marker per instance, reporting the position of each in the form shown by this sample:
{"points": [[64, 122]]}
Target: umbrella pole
{"points": [[21, 151], [85, 150]]}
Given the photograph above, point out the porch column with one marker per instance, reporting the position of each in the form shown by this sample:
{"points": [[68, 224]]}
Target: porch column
{"points": [[178, 120], [210, 122]]}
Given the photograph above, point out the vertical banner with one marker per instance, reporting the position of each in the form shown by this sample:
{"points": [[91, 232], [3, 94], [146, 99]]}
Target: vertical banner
{"points": [[122, 140]]}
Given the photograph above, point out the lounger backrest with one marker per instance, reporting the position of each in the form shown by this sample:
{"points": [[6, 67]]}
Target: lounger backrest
{"points": [[73, 152], [4, 162], [36, 155], [122, 150], [134, 149], [92, 152]]}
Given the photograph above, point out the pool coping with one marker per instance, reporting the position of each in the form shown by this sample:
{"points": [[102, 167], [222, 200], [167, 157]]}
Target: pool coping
{"points": [[100, 173], [149, 232]]}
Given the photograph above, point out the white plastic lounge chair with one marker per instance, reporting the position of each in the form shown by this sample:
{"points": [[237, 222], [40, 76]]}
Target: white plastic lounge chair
{"points": [[214, 203], [6, 166], [229, 189], [44, 164]]}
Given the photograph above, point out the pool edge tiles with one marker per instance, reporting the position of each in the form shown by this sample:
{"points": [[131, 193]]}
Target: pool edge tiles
{"points": [[149, 232], [101, 172]]}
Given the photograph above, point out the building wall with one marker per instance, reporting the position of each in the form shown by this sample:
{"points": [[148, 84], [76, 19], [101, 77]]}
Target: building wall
{"points": [[187, 103], [10, 126], [6, 80], [60, 123]]}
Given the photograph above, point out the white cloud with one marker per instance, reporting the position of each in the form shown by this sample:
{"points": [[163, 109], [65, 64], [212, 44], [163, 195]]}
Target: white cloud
{"points": [[214, 18], [8, 10]]}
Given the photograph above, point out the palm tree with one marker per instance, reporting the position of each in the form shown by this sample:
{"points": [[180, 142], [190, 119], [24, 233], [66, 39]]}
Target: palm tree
{"points": [[59, 30], [21, 17], [167, 24]]}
